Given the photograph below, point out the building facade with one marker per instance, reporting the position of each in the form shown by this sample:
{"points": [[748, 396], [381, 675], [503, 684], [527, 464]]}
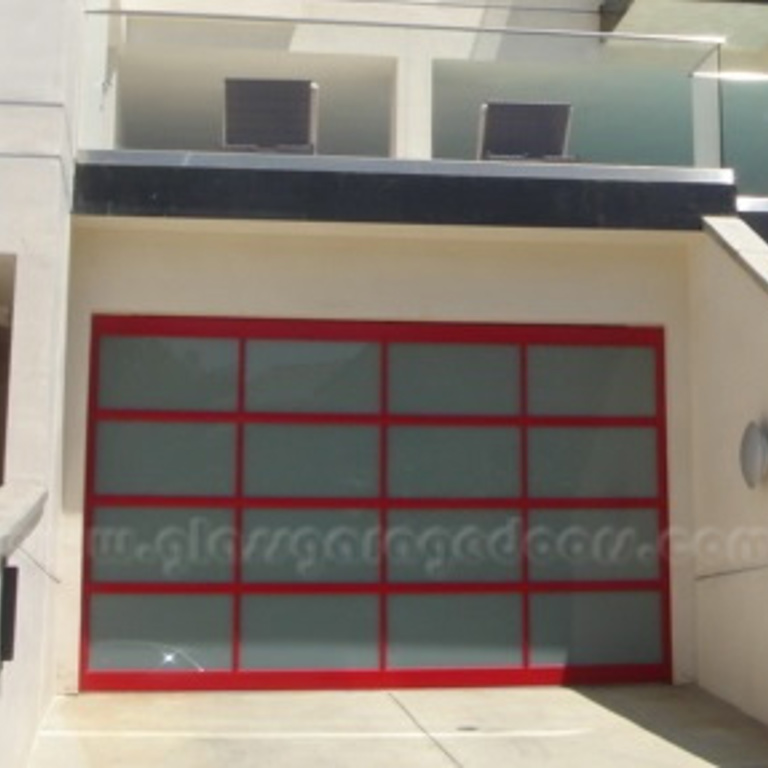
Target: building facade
{"points": [[382, 414]]}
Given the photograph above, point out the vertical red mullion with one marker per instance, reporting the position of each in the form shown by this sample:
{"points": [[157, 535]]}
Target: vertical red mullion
{"points": [[239, 511], [663, 494], [524, 509], [383, 510], [90, 486]]}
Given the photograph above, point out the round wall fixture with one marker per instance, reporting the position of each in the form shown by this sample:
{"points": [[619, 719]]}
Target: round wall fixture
{"points": [[753, 455]]}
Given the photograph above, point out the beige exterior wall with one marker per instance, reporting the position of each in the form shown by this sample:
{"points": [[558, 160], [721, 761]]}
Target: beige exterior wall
{"points": [[729, 370], [38, 46], [298, 270]]}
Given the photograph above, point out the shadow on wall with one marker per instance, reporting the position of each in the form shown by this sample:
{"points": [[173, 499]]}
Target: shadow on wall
{"points": [[7, 285], [5, 368]]}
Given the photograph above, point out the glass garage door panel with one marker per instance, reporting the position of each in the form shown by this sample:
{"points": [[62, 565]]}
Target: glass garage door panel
{"points": [[168, 459], [593, 545], [310, 376], [301, 461], [151, 544], [161, 633], [454, 631], [605, 462], [450, 462], [596, 628], [592, 381], [310, 632], [453, 545], [305, 546], [154, 372], [454, 379], [299, 503]]}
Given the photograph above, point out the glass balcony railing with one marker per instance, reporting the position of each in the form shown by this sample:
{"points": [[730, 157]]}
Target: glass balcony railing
{"points": [[745, 130], [406, 83]]}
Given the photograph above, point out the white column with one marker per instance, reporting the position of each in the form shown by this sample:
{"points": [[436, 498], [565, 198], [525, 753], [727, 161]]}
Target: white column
{"points": [[37, 139], [412, 112]]}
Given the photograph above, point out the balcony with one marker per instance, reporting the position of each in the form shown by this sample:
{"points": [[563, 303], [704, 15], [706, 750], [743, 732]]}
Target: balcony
{"points": [[401, 86], [401, 82]]}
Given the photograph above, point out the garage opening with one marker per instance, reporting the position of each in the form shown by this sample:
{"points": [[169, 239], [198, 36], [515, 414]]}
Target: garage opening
{"points": [[300, 504]]}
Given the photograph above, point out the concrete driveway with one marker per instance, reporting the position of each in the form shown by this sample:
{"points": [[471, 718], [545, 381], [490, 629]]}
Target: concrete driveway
{"points": [[617, 727]]}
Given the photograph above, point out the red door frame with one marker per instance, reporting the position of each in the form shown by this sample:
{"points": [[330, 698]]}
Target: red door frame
{"points": [[382, 333]]}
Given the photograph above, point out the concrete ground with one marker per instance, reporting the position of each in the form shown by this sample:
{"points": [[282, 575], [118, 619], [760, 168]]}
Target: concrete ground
{"points": [[618, 727]]}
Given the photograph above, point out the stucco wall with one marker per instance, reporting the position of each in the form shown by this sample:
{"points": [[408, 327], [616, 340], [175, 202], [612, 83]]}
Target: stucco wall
{"points": [[729, 371], [383, 273], [33, 208], [38, 50]]}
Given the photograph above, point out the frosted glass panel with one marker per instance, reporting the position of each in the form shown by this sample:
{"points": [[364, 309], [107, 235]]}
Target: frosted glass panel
{"points": [[453, 545], [607, 462], [281, 545], [593, 381], [593, 544], [442, 631], [167, 373], [161, 632], [166, 459], [141, 544], [630, 106], [311, 461], [745, 121], [448, 462], [301, 376], [310, 632], [596, 628], [454, 379]]}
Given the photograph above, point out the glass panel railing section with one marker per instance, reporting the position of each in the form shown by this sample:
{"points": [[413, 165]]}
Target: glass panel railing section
{"points": [[632, 101], [392, 85], [745, 131], [157, 82]]}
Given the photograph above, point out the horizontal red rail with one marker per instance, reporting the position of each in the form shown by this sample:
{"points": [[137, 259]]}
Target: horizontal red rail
{"points": [[243, 680], [374, 588], [340, 330], [373, 419], [300, 503]]}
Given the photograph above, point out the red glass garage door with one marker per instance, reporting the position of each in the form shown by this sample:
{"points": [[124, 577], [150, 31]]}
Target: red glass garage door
{"points": [[333, 504]]}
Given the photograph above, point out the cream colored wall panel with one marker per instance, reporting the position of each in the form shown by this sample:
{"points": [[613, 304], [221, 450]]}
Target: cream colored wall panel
{"points": [[38, 49], [733, 663], [35, 129], [729, 370], [364, 272], [730, 388], [36, 54], [34, 222]]}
